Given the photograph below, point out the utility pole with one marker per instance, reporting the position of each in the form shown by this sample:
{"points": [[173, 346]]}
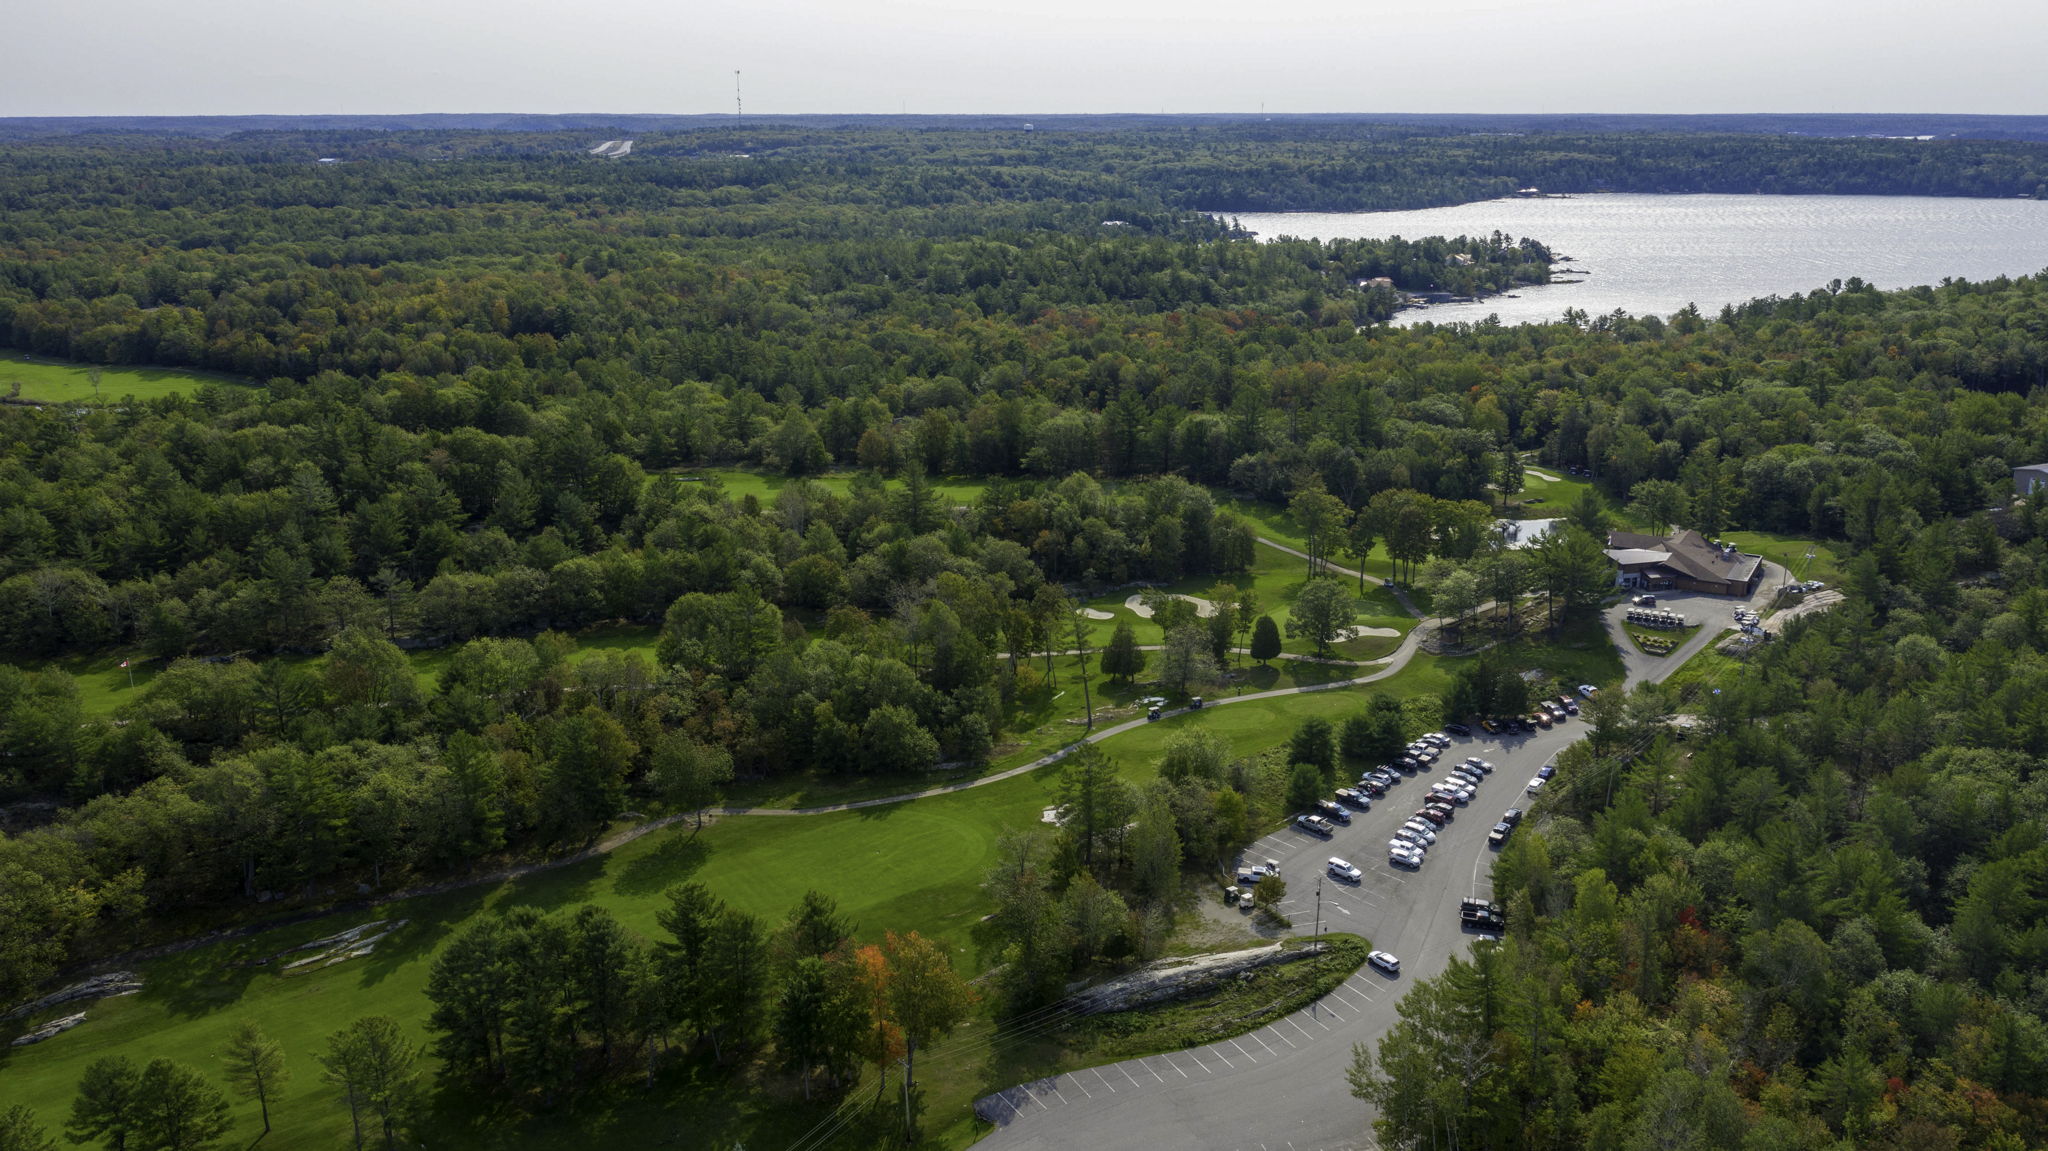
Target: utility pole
{"points": [[1318, 961], [905, 1064], [738, 110]]}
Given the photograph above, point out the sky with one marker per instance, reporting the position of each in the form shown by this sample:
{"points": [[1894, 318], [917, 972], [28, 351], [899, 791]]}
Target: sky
{"points": [[214, 57]]}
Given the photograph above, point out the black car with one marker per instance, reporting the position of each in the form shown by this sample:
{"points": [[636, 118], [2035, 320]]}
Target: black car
{"points": [[1512, 816], [1457, 729]]}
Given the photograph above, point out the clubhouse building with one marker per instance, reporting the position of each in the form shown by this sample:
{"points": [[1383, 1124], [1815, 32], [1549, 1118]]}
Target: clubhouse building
{"points": [[1682, 561]]}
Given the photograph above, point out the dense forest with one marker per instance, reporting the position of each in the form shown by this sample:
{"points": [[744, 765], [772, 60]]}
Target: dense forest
{"points": [[1819, 918], [484, 371]]}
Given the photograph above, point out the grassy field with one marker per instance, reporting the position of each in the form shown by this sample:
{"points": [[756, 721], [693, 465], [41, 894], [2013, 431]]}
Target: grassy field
{"points": [[764, 485], [1790, 552], [63, 382], [914, 866]]}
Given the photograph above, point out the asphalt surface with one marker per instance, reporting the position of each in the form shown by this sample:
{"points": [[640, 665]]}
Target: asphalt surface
{"points": [[1283, 1086]]}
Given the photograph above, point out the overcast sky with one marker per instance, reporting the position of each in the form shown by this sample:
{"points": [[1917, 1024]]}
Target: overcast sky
{"points": [[130, 57]]}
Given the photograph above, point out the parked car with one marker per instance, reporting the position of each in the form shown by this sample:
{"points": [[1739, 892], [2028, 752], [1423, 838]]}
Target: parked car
{"points": [[1541, 719], [1152, 713], [1458, 729], [1437, 739], [1354, 797], [1471, 775], [1386, 776], [1535, 785], [1344, 871], [1499, 834], [1317, 825], [1511, 816], [1485, 766], [1403, 855], [1444, 808], [1433, 816], [1546, 771], [1408, 763], [1422, 828], [1489, 727], [1230, 895], [1588, 691], [1371, 787], [1384, 962], [1334, 811], [1246, 900]]}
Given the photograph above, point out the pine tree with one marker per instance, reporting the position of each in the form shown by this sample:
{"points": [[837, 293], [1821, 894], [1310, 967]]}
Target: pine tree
{"points": [[1265, 639], [1122, 659], [255, 1065]]}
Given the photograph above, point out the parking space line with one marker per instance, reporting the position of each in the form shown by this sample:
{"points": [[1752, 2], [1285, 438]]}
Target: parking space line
{"points": [[1267, 1046], [1299, 1027], [1283, 1038], [1175, 1066], [1218, 1053], [1084, 1089], [1063, 1098], [1243, 1052], [1034, 1098], [1127, 1073], [1105, 1080], [1318, 1023], [1153, 1071], [1197, 1057]]}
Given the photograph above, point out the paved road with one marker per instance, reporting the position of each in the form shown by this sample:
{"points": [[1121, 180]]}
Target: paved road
{"points": [[1292, 1094]]}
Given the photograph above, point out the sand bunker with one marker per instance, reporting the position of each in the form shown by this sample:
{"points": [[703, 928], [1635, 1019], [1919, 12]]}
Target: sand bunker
{"points": [[1360, 631], [1092, 613], [1203, 608]]}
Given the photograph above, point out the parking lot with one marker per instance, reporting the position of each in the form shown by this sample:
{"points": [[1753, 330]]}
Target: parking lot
{"points": [[1273, 1088]]}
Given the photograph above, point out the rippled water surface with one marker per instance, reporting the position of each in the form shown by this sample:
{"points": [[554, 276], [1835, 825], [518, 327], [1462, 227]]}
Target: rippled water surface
{"points": [[1655, 254]]}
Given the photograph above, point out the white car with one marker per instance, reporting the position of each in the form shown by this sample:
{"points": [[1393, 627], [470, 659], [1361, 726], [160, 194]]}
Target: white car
{"points": [[1437, 739], [1403, 855], [1344, 871], [1453, 792], [1384, 962], [1411, 837], [1588, 691], [1535, 785], [1484, 767], [1422, 830]]}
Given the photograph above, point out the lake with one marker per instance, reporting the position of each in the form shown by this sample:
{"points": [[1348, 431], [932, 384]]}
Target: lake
{"points": [[1652, 254]]}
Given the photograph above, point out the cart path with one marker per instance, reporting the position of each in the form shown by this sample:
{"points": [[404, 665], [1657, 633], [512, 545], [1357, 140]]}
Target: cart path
{"points": [[1410, 644], [1392, 665]]}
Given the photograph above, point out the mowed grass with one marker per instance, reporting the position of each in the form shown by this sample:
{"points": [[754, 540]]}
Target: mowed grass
{"points": [[911, 866], [1790, 552], [766, 485], [63, 382]]}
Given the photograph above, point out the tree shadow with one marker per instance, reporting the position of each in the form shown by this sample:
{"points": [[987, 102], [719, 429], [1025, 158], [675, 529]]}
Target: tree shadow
{"points": [[678, 858]]}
